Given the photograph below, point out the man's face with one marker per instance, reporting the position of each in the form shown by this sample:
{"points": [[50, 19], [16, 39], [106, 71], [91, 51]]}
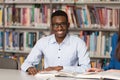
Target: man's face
{"points": [[59, 26]]}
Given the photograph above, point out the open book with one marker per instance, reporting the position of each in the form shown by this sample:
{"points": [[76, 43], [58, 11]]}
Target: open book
{"points": [[87, 75], [46, 75]]}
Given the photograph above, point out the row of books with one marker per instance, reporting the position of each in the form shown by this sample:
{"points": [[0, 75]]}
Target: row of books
{"points": [[98, 43], [35, 15], [96, 16], [79, 17], [19, 40], [99, 63]]}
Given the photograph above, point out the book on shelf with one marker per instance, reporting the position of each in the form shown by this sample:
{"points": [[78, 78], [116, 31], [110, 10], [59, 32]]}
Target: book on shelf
{"points": [[21, 40], [38, 15], [27, 15], [1, 16], [78, 16], [87, 75], [99, 63], [1, 40], [21, 59], [97, 42]]}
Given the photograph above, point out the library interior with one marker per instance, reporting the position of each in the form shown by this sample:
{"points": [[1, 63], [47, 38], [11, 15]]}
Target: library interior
{"points": [[24, 22]]}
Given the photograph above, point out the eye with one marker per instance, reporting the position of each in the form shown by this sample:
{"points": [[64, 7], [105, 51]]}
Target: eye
{"points": [[63, 24], [55, 25]]}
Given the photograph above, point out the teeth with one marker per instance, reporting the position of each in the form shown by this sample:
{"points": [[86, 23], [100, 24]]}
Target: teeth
{"points": [[60, 32]]}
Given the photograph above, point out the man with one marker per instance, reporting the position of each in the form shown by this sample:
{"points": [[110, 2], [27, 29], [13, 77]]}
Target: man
{"points": [[61, 51]]}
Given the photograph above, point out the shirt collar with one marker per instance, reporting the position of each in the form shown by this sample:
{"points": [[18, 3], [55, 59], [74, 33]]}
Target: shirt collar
{"points": [[66, 40]]}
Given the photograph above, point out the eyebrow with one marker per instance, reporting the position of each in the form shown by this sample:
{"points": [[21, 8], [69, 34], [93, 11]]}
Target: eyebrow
{"points": [[60, 22]]}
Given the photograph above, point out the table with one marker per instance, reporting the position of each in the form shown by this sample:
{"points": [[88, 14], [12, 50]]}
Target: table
{"points": [[10, 74]]}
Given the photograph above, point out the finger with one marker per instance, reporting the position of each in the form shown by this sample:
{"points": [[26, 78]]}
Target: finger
{"points": [[32, 71], [91, 70]]}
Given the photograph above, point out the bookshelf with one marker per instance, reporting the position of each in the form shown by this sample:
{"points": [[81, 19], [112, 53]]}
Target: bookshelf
{"points": [[20, 23]]}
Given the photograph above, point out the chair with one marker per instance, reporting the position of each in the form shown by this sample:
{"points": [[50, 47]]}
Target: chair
{"points": [[8, 63]]}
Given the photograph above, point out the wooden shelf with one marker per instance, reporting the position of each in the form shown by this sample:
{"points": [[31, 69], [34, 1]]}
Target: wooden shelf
{"points": [[28, 2], [100, 57], [71, 29], [17, 51], [28, 28], [94, 29], [99, 3]]}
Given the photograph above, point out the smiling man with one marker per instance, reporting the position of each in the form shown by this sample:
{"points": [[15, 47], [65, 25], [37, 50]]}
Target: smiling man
{"points": [[61, 50]]}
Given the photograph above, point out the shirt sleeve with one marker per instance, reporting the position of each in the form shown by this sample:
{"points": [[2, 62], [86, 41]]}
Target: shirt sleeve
{"points": [[83, 59], [33, 58]]}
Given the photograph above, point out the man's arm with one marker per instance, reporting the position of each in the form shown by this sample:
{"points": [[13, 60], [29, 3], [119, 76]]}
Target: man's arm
{"points": [[56, 68], [32, 59]]}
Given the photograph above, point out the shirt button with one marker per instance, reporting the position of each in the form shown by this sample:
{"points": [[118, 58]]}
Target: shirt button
{"points": [[58, 57], [59, 49]]}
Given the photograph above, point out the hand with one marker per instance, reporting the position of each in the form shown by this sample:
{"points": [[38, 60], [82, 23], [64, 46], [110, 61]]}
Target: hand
{"points": [[32, 70], [94, 70], [57, 68]]}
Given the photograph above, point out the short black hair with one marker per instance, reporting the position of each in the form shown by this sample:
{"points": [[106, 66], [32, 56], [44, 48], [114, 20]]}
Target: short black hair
{"points": [[59, 13]]}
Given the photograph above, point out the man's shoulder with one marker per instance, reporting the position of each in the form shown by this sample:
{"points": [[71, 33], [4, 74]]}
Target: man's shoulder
{"points": [[75, 37]]}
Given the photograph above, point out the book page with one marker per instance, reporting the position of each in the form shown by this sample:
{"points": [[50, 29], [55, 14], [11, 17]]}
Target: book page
{"points": [[110, 75], [66, 74], [54, 75], [89, 75], [86, 75], [45, 75]]}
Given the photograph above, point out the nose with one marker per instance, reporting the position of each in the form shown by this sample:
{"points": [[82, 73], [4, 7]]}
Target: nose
{"points": [[59, 27]]}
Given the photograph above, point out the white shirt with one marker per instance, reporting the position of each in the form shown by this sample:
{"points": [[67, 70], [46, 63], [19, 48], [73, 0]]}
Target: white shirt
{"points": [[69, 54]]}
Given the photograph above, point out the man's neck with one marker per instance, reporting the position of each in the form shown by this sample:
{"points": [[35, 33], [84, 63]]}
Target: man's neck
{"points": [[59, 40]]}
